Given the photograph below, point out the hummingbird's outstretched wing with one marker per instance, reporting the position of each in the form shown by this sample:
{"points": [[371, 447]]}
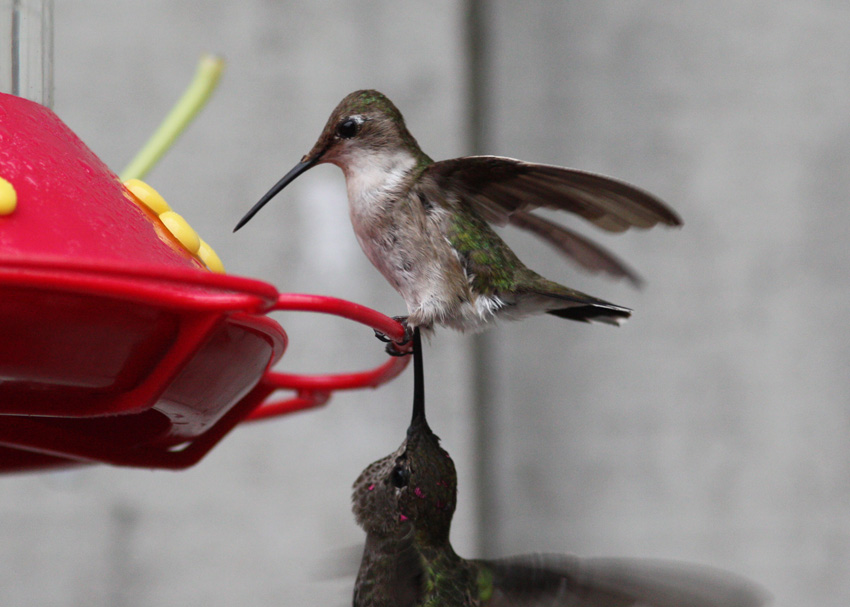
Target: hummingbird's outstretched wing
{"points": [[583, 251], [551, 580], [497, 187]]}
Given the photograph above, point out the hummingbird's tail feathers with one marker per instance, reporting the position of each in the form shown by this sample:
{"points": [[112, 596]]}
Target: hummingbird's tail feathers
{"points": [[568, 303], [552, 580], [586, 253], [594, 313]]}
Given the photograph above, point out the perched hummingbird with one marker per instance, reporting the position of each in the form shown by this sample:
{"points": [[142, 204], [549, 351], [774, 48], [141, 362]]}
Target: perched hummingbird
{"points": [[405, 503], [425, 224]]}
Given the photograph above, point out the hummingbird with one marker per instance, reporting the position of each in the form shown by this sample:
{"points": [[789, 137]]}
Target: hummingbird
{"points": [[426, 226], [405, 502]]}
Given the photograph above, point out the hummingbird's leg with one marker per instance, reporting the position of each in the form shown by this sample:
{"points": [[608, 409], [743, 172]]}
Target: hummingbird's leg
{"points": [[397, 348]]}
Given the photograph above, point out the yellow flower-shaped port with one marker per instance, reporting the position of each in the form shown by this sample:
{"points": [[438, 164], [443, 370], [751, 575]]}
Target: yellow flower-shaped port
{"points": [[174, 223], [8, 197]]}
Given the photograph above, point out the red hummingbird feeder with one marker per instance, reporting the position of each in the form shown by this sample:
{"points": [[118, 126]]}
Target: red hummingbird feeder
{"points": [[118, 342]]}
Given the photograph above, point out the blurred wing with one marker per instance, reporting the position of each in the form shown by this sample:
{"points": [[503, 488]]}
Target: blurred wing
{"points": [[497, 187], [565, 581], [583, 251], [544, 581]]}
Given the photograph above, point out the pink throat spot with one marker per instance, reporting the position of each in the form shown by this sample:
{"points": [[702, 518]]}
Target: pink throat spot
{"points": [[371, 487], [402, 518]]}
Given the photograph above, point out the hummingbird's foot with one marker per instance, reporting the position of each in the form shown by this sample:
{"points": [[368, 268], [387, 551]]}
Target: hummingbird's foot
{"points": [[397, 348]]}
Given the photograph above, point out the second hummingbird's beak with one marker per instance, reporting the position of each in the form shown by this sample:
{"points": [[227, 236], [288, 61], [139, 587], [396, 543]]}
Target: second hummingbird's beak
{"points": [[418, 417], [299, 168]]}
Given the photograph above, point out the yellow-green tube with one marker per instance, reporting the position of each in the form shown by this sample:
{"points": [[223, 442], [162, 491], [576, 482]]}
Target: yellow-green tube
{"points": [[206, 78]]}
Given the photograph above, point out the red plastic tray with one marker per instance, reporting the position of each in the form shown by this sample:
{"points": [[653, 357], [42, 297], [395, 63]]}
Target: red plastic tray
{"points": [[145, 368]]}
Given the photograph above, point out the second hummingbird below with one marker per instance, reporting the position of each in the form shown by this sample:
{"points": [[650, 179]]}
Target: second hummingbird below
{"points": [[425, 225], [405, 502]]}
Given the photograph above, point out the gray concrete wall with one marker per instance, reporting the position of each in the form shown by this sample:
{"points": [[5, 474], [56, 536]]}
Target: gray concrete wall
{"points": [[713, 427]]}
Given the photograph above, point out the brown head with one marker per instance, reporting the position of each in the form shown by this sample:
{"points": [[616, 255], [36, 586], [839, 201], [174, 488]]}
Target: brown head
{"points": [[363, 124]]}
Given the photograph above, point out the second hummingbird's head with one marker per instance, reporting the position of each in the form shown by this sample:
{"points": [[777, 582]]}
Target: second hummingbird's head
{"points": [[365, 130], [413, 488]]}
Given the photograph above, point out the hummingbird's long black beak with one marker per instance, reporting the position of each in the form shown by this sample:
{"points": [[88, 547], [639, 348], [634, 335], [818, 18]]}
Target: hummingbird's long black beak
{"points": [[418, 383], [295, 172]]}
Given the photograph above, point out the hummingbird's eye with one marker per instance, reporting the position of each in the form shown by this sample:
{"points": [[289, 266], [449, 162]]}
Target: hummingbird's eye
{"points": [[399, 477], [347, 128]]}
